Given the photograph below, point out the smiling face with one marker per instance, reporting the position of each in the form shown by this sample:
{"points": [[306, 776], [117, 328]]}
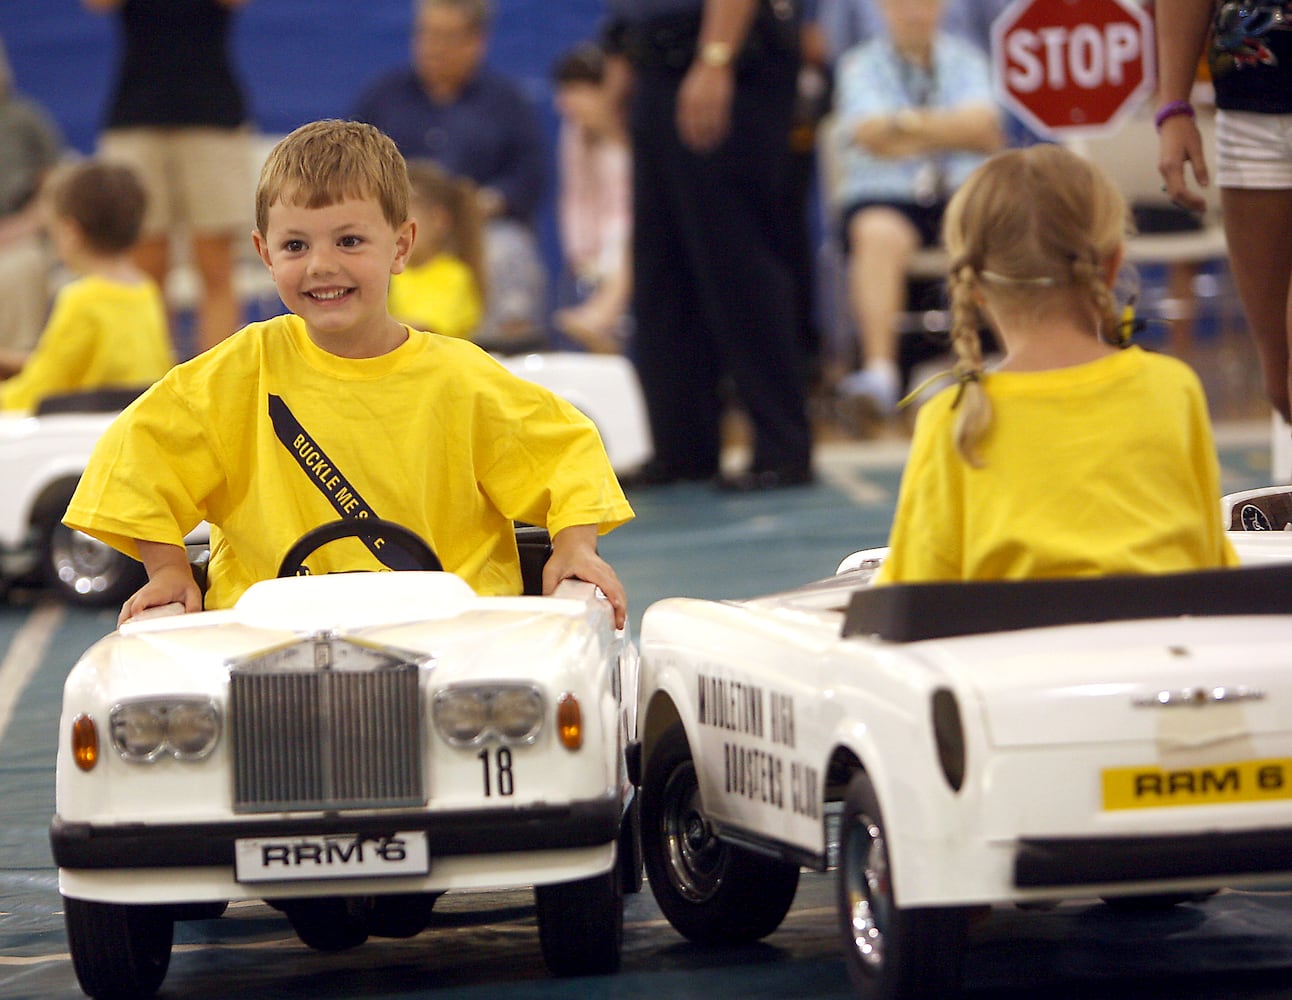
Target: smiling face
{"points": [[332, 265]]}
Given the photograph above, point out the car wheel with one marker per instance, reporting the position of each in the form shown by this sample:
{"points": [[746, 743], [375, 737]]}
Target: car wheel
{"points": [[401, 916], [581, 925], [892, 953], [630, 847], [198, 911], [118, 950], [329, 924], [83, 571], [712, 892], [1156, 900]]}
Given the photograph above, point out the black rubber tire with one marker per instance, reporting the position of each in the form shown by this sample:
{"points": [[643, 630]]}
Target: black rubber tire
{"points": [[712, 892], [117, 950], [401, 916], [329, 923], [892, 953], [1156, 900], [581, 924], [198, 911]]}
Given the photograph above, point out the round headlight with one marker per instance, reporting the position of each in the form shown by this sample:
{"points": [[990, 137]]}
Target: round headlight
{"points": [[517, 714], [138, 731], [192, 729], [460, 716]]}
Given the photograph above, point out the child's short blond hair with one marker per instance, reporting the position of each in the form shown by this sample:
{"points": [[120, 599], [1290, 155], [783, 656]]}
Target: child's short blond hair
{"points": [[328, 161]]}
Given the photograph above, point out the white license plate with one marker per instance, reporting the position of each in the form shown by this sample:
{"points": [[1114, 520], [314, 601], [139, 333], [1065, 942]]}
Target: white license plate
{"points": [[299, 859]]}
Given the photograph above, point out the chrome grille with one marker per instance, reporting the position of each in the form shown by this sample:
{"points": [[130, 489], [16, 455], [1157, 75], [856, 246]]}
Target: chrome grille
{"points": [[325, 724]]}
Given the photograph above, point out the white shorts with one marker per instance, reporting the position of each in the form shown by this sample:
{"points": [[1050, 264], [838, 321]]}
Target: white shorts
{"points": [[1253, 150], [200, 179]]}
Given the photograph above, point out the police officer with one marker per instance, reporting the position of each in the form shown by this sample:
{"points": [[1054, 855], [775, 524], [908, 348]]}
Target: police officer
{"points": [[713, 293]]}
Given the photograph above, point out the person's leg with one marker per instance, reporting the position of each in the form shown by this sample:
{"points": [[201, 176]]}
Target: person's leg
{"points": [[516, 282], [1257, 224], [25, 278], [214, 167], [152, 256], [671, 351], [219, 313], [882, 242], [730, 224]]}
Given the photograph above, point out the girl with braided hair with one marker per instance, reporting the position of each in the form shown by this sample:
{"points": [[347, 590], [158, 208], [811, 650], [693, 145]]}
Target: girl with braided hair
{"points": [[1076, 455]]}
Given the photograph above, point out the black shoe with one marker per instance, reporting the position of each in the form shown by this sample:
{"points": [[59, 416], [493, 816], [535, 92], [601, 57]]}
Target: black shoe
{"points": [[756, 480], [656, 473]]}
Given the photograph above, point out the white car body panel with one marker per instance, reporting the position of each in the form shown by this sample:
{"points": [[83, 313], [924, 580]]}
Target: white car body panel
{"points": [[36, 454]]}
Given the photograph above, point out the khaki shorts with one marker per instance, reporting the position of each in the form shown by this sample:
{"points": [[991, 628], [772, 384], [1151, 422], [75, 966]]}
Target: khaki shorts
{"points": [[196, 178]]}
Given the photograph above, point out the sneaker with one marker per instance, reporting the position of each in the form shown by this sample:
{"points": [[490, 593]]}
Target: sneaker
{"points": [[865, 402], [877, 386]]}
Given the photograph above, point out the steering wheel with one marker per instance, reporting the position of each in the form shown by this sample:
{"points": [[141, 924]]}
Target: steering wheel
{"points": [[367, 528]]}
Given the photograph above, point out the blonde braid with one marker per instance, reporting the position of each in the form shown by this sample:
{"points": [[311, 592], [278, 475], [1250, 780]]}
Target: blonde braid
{"points": [[974, 416], [1086, 273]]}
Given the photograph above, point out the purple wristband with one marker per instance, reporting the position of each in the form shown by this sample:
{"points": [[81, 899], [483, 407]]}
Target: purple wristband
{"points": [[1170, 109]]}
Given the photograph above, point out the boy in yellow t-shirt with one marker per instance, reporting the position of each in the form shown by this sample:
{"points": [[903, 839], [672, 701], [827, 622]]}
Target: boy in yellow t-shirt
{"points": [[338, 410], [108, 326]]}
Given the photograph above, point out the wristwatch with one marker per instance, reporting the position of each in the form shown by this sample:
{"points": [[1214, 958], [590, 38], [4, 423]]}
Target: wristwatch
{"points": [[717, 54]]}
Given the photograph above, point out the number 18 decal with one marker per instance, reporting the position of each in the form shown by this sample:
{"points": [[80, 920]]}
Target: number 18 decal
{"points": [[498, 775]]}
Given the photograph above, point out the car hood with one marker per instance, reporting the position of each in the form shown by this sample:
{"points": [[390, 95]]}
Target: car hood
{"points": [[433, 617]]}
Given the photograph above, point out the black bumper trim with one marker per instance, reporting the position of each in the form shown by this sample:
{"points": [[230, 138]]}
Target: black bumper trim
{"points": [[588, 823], [1042, 863]]}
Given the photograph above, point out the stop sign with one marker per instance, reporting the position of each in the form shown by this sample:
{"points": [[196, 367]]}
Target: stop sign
{"points": [[1072, 67]]}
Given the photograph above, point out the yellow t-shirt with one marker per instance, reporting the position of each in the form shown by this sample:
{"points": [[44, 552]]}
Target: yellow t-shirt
{"points": [[100, 334], [266, 436], [441, 296], [1100, 468]]}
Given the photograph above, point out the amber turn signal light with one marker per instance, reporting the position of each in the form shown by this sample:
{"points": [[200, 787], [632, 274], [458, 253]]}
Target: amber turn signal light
{"points": [[569, 722], [85, 742]]}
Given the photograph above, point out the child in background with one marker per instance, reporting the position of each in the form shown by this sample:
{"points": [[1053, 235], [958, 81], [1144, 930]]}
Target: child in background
{"points": [[31, 143], [108, 326], [442, 287], [1077, 455], [338, 410], [594, 204]]}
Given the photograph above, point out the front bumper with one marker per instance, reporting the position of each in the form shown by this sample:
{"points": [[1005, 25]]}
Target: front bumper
{"points": [[586, 823]]}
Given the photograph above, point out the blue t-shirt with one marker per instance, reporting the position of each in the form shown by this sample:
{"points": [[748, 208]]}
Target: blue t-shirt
{"points": [[871, 81], [639, 11], [489, 133]]}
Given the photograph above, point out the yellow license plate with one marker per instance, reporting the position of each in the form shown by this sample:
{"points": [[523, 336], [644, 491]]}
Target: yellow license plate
{"points": [[1213, 784]]}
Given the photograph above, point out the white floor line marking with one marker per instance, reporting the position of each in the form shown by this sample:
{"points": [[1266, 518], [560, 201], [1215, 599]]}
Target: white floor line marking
{"points": [[853, 483], [24, 657]]}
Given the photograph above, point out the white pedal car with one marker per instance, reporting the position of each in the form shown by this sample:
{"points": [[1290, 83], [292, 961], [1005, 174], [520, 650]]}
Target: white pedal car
{"points": [[44, 455], [1125, 738], [349, 747]]}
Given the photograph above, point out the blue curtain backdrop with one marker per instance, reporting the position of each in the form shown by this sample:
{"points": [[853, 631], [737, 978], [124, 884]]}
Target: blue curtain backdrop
{"points": [[300, 59]]}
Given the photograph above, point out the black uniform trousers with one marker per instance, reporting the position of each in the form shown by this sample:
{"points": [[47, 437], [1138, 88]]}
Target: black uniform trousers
{"points": [[713, 295]]}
